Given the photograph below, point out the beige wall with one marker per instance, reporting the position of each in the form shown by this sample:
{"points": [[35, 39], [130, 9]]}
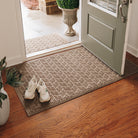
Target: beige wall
{"points": [[11, 39], [133, 30]]}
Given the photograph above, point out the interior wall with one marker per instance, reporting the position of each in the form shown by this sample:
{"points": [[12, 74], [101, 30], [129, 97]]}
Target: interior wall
{"points": [[132, 41], [11, 37]]}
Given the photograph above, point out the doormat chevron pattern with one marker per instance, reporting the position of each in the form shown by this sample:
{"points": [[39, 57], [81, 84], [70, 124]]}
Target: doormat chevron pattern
{"points": [[68, 75], [44, 42]]}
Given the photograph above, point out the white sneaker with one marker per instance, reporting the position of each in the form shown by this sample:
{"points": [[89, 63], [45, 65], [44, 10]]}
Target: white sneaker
{"points": [[42, 89], [30, 91]]}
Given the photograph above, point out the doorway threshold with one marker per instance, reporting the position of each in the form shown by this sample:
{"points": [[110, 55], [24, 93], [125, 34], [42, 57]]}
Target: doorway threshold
{"points": [[52, 50]]}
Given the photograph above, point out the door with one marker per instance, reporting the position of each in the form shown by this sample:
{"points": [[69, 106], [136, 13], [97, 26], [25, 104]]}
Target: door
{"points": [[103, 30]]}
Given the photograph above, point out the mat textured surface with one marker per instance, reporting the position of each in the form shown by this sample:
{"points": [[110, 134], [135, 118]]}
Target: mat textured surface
{"points": [[67, 75], [44, 42]]}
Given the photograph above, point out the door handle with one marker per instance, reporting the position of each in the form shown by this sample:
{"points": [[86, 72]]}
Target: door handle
{"points": [[124, 3]]}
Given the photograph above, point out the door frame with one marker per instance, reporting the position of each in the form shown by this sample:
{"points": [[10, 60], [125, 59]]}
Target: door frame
{"points": [[47, 51], [63, 47], [126, 35], [20, 29]]}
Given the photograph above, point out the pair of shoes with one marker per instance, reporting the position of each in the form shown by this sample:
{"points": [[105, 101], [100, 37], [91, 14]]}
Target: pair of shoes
{"points": [[40, 86]]}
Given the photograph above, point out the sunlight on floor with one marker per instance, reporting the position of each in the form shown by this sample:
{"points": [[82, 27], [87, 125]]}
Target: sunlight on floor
{"points": [[37, 23]]}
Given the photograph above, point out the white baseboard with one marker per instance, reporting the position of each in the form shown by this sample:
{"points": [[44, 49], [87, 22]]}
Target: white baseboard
{"points": [[132, 50], [14, 61]]}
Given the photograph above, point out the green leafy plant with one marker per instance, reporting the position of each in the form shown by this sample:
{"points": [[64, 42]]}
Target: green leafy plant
{"points": [[68, 4], [3, 64], [13, 78], [2, 96]]}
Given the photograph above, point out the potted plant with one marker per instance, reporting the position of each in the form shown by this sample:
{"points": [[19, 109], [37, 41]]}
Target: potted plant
{"points": [[69, 8], [13, 78]]}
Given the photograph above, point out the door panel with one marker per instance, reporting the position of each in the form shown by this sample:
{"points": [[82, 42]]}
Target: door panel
{"points": [[96, 29], [103, 32]]}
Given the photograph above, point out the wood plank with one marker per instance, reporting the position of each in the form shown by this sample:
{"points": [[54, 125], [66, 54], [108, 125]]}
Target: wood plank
{"points": [[132, 58], [109, 112]]}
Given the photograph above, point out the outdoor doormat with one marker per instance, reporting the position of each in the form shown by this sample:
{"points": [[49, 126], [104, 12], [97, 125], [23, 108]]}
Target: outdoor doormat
{"points": [[44, 42], [67, 75]]}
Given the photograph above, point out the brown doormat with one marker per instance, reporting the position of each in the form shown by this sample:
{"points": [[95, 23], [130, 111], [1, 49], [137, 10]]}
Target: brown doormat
{"points": [[44, 42], [67, 75]]}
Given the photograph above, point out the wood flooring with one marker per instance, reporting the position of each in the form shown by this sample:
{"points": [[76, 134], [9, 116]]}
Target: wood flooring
{"points": [[109, 112]]}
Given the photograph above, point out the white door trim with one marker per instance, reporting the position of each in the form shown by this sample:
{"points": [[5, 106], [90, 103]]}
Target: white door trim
{"points": [[20, 30], [126, 38]]}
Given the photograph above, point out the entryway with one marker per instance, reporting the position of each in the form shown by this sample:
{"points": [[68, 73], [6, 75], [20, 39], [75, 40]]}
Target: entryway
{"points": [[45, 32], [102, 31]]}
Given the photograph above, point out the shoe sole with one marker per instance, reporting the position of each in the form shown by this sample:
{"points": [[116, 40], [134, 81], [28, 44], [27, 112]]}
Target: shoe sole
{"points": [[29, 98], [45, 101]]}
